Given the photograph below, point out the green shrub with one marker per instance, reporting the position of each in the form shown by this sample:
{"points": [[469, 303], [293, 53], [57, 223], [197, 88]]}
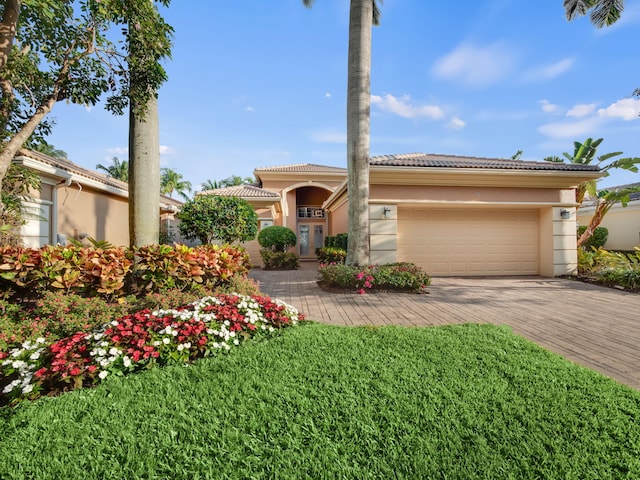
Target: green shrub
{"points": [[597, 240], [337, 241], [331, 255], [279, 260], [277, 238], [209, 217], [393, 276]]}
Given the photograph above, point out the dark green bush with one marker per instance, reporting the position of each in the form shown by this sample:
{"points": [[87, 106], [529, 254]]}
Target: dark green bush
{"points": [[331, 255], [597, 240], [279, 260], [277, 238], [337, 241]]}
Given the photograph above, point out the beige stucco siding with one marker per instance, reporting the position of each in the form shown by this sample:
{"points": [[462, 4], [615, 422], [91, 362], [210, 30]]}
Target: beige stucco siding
{"points": [[96, 214], [623, 224], [424, 193]]}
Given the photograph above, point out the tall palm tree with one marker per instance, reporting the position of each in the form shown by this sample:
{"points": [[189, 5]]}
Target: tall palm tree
{"points": [[172, 181], [235, 180], [119, 169], [603, 12], [362, 15], [209, 185], [50, 150]]}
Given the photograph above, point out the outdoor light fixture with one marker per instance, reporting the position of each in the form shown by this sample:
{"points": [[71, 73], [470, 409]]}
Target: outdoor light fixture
{"points": [[386, 212], [565, 214]]}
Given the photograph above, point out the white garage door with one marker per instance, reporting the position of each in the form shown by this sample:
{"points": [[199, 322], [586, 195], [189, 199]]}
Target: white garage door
{"points": [[471, 242]]}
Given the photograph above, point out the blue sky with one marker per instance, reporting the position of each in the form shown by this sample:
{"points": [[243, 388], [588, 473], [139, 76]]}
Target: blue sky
{"points": [[255, 83]]}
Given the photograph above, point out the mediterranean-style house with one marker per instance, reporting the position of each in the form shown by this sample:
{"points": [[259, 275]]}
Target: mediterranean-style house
{"points": [[452, 215], [74, 202], [623, 223]]}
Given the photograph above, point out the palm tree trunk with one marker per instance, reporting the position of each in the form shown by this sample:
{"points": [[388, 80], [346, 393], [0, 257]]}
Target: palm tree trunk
{"points": [[358, 113], [144, 175]]}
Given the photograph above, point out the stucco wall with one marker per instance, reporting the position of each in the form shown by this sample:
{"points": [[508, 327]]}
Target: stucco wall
{"points": [[96, 214], [623, 224], [422, 193], [338, 219]]}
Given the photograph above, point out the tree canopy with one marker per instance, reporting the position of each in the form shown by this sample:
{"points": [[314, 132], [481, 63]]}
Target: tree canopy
{"points": [[209, 217], [55, 50], [118, 169]]}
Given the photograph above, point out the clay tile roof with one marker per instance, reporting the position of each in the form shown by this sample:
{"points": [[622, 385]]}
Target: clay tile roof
{"points": [[303, 168], [243, 191], [452, 161], [69, 166]]}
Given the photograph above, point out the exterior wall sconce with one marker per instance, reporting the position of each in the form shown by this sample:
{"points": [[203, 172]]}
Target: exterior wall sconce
{"points": [[386, 212], [565, 214]]}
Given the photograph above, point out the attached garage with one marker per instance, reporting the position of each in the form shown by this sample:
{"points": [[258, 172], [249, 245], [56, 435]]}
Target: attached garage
{"points": [[470, 241]]}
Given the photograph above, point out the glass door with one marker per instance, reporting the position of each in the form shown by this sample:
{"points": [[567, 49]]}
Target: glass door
{"points": [[310, 238]]}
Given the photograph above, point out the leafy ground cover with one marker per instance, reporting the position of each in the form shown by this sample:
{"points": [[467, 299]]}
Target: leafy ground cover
{"points": [[318, 401], [612, 269]]}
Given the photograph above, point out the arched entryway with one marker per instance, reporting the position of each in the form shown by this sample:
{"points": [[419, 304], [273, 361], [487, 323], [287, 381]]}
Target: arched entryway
{"points": [[310, 219]]}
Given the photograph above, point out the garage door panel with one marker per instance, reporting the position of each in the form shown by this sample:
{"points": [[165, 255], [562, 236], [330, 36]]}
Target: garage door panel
{"points": [[470, 241]]}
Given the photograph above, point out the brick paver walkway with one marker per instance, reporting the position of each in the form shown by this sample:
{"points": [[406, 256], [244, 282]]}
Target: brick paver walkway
{"points": [[594, 326]]}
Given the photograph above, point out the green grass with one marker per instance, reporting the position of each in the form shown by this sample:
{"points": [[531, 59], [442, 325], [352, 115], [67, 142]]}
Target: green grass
{"points": [[322, 402]]}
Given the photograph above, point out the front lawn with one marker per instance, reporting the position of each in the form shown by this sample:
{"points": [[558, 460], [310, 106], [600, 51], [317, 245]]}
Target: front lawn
{"points": [[456, 402]]}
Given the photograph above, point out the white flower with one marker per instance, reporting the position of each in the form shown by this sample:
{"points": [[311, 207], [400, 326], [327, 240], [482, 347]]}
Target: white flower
{"points": [[236, 342], [19, 364], [15, 353], [180, 347], [103, 374], [166, 341], [157, 343], [114, 351], [27, 388], [40, 340], [35, 355], [126, 361]]}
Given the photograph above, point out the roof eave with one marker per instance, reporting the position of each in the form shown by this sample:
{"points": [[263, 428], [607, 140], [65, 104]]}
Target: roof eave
{"points": [[461, 176]]}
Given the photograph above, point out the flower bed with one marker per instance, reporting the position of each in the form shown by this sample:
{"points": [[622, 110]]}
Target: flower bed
{"points": [[392, 276], [140, 340]]}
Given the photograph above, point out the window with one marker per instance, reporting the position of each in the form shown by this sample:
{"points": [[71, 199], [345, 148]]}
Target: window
{"points": [[310, 212]]}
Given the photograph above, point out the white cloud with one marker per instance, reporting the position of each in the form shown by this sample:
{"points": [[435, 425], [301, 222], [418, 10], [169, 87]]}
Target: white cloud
{"points": [[166, 150], [582, 110], [403, 107], [118, 151], [328, 136], [574, 129], [250, 109], [627, 109], [327, 95], [475, 65], [547, 106], [456, 123], [548, 72]]}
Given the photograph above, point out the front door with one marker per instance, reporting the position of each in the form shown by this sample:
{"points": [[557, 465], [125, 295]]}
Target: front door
{"points": [[310, 238]]}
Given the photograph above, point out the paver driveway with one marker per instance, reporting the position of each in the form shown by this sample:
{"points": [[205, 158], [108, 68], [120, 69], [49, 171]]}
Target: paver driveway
{"points": [[594, 326]]}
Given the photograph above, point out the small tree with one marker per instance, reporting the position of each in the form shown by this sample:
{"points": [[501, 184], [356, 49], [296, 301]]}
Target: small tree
{"points": [[277, 238], [208, 218], [585, 154]]}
